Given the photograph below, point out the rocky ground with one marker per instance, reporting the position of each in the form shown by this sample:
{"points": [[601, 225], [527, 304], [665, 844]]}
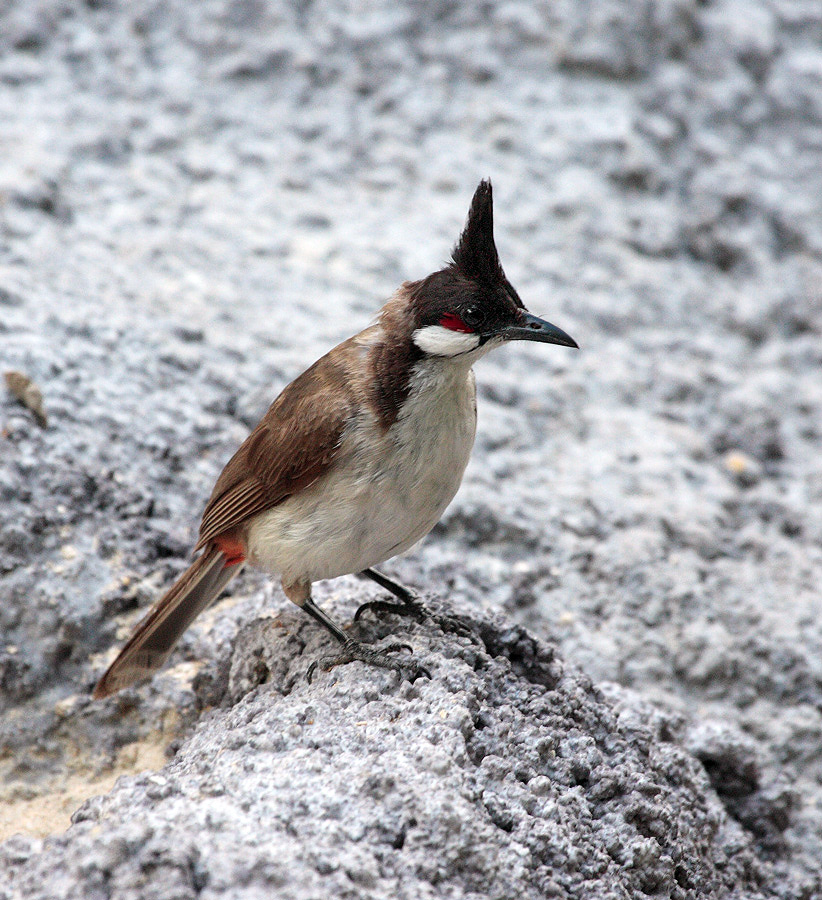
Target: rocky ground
{"points": [[197, 200]]}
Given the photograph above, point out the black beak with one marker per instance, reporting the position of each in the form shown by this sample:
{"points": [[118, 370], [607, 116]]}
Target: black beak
{"points": [[531, 328]]}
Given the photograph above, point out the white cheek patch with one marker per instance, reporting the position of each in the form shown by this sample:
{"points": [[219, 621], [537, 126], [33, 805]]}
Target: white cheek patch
{"points": [[439, 341]]}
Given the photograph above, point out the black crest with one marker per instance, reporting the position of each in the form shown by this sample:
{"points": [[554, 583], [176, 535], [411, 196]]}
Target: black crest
{"points": [[475, 255]]}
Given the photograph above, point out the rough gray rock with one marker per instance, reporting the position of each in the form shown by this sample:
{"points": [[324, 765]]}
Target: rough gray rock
{"points": [[503, 775], [197, 200]]}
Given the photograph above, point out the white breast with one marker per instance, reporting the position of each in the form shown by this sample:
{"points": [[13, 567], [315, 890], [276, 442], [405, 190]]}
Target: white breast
{"points": [[374, 505]]}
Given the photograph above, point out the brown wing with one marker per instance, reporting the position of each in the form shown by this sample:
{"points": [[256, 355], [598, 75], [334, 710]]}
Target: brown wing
{"points": [[293, 445]]}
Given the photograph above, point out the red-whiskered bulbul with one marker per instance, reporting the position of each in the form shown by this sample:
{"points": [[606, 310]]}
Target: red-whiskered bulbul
{"points": [[358, 457]]}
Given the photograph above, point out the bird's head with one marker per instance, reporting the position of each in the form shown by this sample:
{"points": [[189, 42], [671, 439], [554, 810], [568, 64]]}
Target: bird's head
{"points": [[470, 305]]}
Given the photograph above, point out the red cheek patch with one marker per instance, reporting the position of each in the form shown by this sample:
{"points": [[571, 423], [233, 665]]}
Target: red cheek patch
{"points": [[454, 323]]}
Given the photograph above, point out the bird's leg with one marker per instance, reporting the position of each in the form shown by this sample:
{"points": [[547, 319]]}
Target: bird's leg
{"points": [[409, 605], [353, 650], [403, 594]]}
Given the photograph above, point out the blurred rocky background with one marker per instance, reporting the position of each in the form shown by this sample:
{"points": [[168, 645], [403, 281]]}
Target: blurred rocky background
{"points": [[196, 201]]}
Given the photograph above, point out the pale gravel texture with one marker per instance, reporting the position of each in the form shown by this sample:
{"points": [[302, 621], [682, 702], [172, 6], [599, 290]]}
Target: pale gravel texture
{"points": [[502, 776], [196, 200]]}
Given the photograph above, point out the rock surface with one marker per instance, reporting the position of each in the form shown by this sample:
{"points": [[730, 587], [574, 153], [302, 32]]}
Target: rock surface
{"points": [[503, 775], [196, 201]]}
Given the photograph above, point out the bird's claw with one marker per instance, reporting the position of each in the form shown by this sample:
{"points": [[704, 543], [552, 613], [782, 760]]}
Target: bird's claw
{"points": [[353, 651], [420, 613]]}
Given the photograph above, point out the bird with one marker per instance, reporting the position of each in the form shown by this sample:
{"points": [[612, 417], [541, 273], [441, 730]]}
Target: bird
{"points": [[357, 459]]}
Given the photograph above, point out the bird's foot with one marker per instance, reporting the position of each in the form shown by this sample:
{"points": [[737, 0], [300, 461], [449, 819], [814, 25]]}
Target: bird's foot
{"points": [[353, 651], [417, 610]]}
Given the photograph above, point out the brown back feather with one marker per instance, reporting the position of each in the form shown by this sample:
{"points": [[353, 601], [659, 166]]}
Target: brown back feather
{"points": [[293, 445]]}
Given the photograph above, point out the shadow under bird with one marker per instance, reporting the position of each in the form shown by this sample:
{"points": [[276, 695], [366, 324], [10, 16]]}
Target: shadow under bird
{"points": [[357, 458]]}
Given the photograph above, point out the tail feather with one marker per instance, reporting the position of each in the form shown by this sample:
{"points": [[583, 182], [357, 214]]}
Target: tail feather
{"points": [[154, 638]]}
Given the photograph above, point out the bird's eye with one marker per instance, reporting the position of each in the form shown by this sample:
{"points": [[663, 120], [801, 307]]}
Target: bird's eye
{"points": [[472, 315]]}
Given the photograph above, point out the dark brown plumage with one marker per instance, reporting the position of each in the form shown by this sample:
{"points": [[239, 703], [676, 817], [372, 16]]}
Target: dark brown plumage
{"points": [[293, 445]]}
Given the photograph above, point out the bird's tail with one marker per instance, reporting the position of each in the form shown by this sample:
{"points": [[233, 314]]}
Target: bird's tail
{"points": [[154, 638]]}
